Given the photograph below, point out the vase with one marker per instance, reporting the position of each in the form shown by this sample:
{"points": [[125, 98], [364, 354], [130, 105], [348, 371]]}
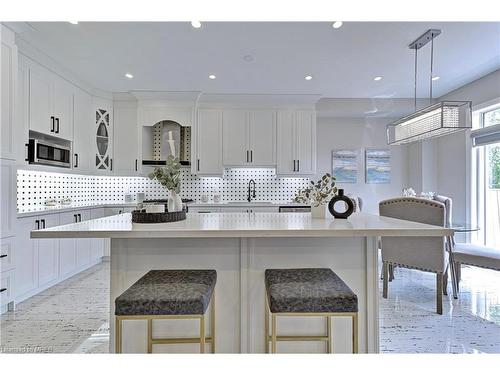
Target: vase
{"points": [[174, 202], [348, 204], [318, 212]]}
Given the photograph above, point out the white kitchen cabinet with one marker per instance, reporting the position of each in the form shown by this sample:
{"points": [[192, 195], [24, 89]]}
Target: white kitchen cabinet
{"points": [[249, 138], [67, 247], [102, 144], [7, 254], [296, 143], [97, 244], [208, 160], [26, 257], [83, 245], [203, 210], [48, 253], [125, 138], [235, 150], [250, 209], [7, 197], [50, 104], [8, 92], [83, 132], [7, 291]]}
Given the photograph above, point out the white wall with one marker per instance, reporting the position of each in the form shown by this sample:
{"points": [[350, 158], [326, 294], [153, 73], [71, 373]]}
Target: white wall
{"points": [[361, 133]]}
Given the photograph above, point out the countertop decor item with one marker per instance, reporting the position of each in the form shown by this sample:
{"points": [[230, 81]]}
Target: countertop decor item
{"points": [[141, 217], [340, 197], [437, 119], [170, 177], [317, 195]]}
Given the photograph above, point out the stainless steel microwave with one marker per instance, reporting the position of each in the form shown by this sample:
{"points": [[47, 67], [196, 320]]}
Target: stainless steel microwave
{"points": [[43, 152]]}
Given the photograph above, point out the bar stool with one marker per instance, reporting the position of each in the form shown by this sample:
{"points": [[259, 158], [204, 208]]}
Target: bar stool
{"points": [[308, 292], [169, 294]]}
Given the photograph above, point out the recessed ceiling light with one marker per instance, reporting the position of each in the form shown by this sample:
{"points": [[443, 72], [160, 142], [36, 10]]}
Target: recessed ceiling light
{"points": [[129, 76], [248, 58], [378, 78], [212, 76], [73, 22], [196, 24], [308, 78], [435, 78], [337, 24]]}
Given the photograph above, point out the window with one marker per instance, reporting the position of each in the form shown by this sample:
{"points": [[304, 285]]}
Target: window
{"points": [[486, 173]]}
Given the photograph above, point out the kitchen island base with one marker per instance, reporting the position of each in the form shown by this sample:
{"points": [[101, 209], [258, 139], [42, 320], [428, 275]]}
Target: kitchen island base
{"points": [[240, 265]]}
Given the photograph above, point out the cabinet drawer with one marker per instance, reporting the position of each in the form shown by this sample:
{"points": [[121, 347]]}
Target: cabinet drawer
{"points": [[203, 210], [6, 287], [6, 254]]}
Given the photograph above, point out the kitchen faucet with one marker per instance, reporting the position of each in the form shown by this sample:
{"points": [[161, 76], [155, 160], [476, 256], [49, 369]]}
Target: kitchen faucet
{"points": [[250, 193]]}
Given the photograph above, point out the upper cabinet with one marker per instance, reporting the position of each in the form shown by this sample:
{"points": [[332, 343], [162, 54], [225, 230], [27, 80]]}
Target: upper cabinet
{"points": [[103, 134], [8, 93], [296, 143], [249, 138], [126, 136], [208, 157], [50, 104], [83, 132]]}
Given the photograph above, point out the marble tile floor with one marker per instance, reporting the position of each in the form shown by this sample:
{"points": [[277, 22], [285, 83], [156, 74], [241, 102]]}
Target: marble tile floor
{"points": [[72, 317]]}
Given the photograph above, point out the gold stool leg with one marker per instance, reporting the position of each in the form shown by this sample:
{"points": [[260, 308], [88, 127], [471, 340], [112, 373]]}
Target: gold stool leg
{"points": [[329, 343], [118, 335], [212, 321], [355, 333], [202, 334], [150, 335], [273, 327], [266, 324]]}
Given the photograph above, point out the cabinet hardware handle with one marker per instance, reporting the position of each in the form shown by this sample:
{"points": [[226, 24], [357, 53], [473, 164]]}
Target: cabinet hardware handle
{"points": [[76, 160], [298, 165], [198, 165], [79, 217], [3, 290], [136, 165], [247, 156], [294, 169], [111, 163], [37, 222], [52, 124], [76, 218], [57, 125], [43, 223], [27, 158], [251, 156], [3, 256]]}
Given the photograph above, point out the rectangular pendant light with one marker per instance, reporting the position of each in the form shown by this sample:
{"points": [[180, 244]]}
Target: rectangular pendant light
{"points": [[434, 121]]}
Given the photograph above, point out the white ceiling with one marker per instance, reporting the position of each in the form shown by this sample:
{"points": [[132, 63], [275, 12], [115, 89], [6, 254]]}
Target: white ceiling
{"points": [[173, 56]]}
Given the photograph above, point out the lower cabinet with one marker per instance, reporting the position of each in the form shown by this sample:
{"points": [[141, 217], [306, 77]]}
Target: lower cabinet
{"points": [[41, 263], [97, 244], [250, 209]]}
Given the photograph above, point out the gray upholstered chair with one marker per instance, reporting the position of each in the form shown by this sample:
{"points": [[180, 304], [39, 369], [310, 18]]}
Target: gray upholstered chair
{"points": [[421, 253], [475, 255]]}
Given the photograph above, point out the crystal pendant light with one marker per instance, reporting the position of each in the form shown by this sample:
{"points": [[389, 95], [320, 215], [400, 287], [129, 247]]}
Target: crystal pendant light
{"points": [[436, 120]]}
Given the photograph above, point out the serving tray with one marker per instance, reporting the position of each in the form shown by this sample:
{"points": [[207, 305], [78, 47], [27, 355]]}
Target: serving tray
{"points": [[157, 217]]}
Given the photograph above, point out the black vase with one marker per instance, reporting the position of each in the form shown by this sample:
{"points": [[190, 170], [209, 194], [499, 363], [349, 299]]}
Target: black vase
{"points": [[341, 197]]}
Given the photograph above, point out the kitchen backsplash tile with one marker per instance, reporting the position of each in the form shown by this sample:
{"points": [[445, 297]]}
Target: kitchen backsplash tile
{"points": [[34, 187]]}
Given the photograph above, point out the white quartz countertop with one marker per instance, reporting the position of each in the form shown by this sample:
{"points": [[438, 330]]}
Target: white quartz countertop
{"points": [[234, 225]]}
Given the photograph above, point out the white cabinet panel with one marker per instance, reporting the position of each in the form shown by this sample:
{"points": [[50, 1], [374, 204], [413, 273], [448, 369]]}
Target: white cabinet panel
{"points": [[26, 256], [125, 139], [102, 144], [250, 209], [209, 142], [203, 210], [7, 254], [67, 247], [83, 245], [262, 137], [7, 197], [83, 131], [48, 253], [306, 142], [97, 244], [63, 108], [7, 294], [8, 92], [296, 143], [41, 115], [236, 150], [286, 143]]}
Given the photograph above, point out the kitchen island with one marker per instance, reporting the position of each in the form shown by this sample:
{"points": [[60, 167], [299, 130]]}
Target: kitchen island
{"points": [[240, 246]]}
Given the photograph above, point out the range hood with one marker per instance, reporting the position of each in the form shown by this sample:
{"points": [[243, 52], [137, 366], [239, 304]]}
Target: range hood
{"points": [[170, 137]]}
